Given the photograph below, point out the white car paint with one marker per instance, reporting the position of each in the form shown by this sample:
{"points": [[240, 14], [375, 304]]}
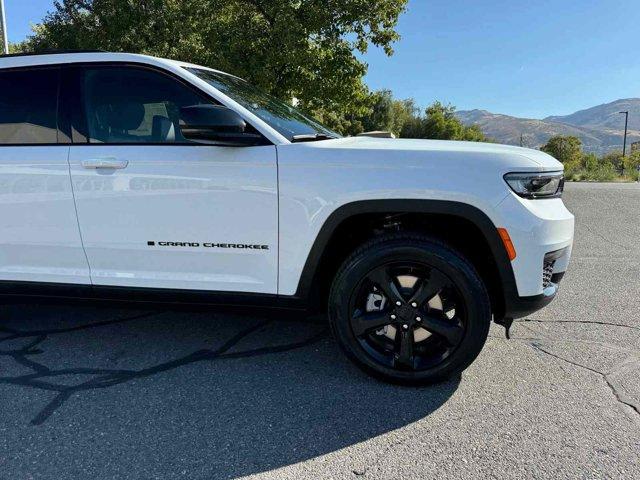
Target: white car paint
{"points": [[39, 238], [178, 193], [279, 196], [318, 178]]}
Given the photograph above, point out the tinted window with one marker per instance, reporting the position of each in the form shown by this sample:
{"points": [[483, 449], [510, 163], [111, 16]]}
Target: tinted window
{"points": [[28, 106], [283, 117], [134, 105]]}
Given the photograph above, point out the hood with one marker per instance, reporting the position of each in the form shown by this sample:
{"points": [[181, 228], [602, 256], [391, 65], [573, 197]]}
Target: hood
{"points": [[517, 156]]}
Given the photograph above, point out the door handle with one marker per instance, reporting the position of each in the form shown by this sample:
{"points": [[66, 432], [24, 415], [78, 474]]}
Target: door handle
{"points": [[107, 162]]}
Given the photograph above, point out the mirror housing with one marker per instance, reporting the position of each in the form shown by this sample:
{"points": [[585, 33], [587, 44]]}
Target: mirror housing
{"points": [[216, 125]]}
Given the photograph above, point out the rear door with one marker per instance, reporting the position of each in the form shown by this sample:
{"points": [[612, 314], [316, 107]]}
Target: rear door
{"points": [[39, 236], [158, 211]]}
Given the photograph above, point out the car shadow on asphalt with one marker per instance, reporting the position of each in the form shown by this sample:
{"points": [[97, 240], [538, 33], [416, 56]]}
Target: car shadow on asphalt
{"points": [[230, 394]]}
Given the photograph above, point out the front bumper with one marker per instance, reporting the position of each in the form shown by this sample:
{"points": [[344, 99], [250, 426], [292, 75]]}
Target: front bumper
{"points": [[538, 228], [519, 307], [542, 234]]}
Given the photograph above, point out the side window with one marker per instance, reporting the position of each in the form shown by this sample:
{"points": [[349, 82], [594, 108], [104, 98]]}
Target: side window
{"points": [[134, 105], [29, 106]]}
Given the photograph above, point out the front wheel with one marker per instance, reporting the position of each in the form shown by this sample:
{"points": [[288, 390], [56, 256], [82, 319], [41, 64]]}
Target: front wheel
{"points": [[409, 309]]}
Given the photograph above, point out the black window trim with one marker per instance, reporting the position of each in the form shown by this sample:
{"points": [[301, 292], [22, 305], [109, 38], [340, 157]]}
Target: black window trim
{"points": [[72, 101], [27, 68]]}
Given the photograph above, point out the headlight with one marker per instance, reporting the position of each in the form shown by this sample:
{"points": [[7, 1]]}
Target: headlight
{"points": [[536, 185]]}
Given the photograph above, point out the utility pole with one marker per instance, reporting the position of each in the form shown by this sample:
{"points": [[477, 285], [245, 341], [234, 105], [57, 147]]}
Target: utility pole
{"points": [[626, 125], [5, 37]]}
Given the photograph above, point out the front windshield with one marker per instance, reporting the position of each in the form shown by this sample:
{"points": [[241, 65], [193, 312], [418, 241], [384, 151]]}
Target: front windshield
{"points": [[284, 118]]}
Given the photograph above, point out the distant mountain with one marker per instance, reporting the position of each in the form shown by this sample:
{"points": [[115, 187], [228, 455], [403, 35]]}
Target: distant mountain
{"points": [[606, 116], [600, 128]]}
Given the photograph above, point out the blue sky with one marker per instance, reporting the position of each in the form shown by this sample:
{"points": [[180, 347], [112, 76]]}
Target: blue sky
{"points": [[526, 58]]}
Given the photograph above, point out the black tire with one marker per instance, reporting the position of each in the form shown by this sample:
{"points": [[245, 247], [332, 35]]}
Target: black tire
{"points": [[458, 316]]}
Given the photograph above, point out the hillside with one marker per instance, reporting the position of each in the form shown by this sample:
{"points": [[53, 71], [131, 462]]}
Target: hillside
{"points": [[600, 128], [605, 116]]}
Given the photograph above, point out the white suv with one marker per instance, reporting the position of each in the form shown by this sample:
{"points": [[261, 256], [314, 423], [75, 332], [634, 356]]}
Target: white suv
{"points": [[130, 177]]}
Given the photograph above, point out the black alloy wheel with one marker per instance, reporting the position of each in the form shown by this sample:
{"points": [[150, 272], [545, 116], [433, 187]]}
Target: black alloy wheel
{"points": [[409, 309], [417, 319]]}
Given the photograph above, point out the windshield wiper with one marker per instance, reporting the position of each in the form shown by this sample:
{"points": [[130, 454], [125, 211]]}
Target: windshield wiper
{"points": [[311, 137]]}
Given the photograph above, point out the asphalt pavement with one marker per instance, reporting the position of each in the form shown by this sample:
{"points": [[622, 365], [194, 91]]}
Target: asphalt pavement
{"points": [[95, 392]]}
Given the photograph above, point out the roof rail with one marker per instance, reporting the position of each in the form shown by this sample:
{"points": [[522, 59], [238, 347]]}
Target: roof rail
{"points": [[50, 52]]}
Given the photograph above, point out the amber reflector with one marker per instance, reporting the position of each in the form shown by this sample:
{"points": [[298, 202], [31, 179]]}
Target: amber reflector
{"points": [[508, 244]]}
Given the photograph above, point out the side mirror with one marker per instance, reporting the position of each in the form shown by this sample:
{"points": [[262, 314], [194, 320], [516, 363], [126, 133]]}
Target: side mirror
{"points": [[215, 124]]}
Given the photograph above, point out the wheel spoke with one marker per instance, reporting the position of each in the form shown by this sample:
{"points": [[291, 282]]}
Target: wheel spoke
{"points": [[429, 288], [365, 322], [451, 331], [405, 348], [386, 283], [418, 297]]}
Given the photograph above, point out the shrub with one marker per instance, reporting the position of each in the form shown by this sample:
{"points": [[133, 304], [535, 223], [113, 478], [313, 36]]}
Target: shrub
{"points": [[566, 149], [631, 165], [616, 159], [590, 168]]}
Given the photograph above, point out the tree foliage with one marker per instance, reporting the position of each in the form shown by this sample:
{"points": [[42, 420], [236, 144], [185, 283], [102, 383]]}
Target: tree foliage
{"points": [[439, 122], [380, 117], [292, 48], [631, 165], [303, 49], [616, 159], [404, 119], [582, 166], [566, 149]]}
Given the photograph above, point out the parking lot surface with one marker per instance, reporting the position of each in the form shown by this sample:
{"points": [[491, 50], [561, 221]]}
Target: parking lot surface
{"points": [[111, 392]]}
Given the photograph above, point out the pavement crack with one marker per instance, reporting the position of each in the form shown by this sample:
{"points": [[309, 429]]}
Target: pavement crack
{"points": [[606, 345], [603, 237], [15, 334], [43, 377], [591, 322], [620, 397]]}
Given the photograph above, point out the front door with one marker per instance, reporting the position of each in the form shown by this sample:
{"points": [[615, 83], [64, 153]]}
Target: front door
{"points": [[156, 210], [39, 237]]}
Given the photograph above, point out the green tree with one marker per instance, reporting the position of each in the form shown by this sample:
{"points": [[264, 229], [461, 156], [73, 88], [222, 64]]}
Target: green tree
{"points": [[20, 47], [632, 164], [381, 115], [402, 112], [387, 113], [293, 48], [440, 122], [566, 149], [590, 162], [616, 159]]}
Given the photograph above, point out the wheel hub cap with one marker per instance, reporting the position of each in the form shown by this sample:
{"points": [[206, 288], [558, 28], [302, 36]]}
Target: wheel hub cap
{"points": [[406, 314], [411, 317]]}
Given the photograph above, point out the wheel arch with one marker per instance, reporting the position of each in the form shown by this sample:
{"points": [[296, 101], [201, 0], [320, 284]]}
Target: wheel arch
{"points": [[339, 236]]}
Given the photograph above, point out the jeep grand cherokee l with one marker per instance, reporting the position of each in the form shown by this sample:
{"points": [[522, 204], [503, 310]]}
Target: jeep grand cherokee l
{"points": [[130, 177]]}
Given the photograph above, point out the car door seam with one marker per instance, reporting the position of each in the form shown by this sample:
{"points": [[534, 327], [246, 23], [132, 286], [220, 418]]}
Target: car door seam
{"points": [[75, 206]]}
